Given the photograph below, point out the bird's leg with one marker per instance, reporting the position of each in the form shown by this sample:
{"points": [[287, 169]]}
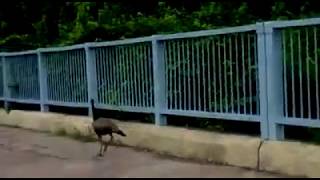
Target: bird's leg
{"points": [[108, 143], [111, 138], [101, 144]]}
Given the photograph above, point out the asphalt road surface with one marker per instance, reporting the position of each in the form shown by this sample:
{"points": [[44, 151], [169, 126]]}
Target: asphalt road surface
{"points": [[26, 154]]}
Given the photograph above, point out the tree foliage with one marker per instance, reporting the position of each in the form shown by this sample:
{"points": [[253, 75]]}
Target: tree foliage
{"points": [[28, 25]]}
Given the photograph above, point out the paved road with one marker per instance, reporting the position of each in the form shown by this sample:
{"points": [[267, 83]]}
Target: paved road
{"points": [[28, 154]]}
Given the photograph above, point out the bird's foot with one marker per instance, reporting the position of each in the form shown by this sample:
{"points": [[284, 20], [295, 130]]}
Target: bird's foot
{"points": [[99, 155]]}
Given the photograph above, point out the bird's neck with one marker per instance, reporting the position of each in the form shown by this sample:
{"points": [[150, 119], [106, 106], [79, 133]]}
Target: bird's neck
{"points": [[94, 112]]}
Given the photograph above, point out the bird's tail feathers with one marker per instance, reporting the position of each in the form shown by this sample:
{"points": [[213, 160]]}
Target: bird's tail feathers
{"points": [[121, 133]]}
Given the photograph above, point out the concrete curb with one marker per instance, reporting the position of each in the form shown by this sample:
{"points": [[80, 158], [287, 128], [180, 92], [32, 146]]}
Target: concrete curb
{"points": [[290, 158], [293, 158]]}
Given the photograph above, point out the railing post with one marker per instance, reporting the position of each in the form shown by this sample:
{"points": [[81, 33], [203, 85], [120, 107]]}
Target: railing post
{"points": [[274, 77], [160, 99], [91, 76], [5, 83], [262, 70], [43, 86]]}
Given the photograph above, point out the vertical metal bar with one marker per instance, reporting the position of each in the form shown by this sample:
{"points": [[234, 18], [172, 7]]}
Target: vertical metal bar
{"points": [[25, 82], [47, 66], [316, 71], [5, 82], [194, 75], [250, 69], [150, 75], [31, 80], [17, 65], [29, 83], [77, 76], [97, 54], [189, 75], [86, 82], [159, 81], [300, 75], [184, 76], [60, 82], [43, 86], [139, 76], [243, 75], [55, 77], [69, 69], [141, 58], [285, 72], [136, 85], [308, 73], [220, 78], [22, 77], [238, 73], [128, 76], [170, 72], [114, 79], [52, 76], [84, 94], [142, 70], [118, 70], [100, 67], [120, 73], [167, 71], [68, 72], [204, 77], [214, 74], [109, 69], [124, 76], [131, 76], [70, 54], [106, 75], [85, 78], [146, 79], [59, 66], [19, 77], [66, 76], [292, 76], [113, 93], [64, 82], [262, 73], [231, 75], [179, 75], [174, 60], [27, 79], [91, 75], [225, 74], [274, 83], [256, 76], [198, 74]]}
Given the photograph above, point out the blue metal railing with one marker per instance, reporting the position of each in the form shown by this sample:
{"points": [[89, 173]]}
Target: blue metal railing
{"points": [[266, 72]]}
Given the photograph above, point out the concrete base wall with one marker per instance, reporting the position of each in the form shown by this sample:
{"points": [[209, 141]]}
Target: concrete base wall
{"points": [[285, 157]]}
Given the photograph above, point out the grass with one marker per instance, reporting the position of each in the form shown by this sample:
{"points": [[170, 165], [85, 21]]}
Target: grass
{"points": [[77, 135]]}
